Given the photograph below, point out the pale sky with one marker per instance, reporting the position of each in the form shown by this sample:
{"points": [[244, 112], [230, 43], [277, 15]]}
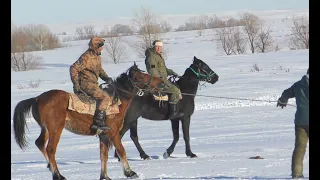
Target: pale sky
{"points": [[57, 11]]}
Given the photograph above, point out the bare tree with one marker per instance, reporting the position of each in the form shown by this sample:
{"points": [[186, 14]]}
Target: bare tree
{"points": [[239, 40], [191, 24], [19, 40], [264, 41], [165, 26], [85, 32], [52, 42], [201, 24], [251, 27], [40, 35], [80, 33], [121, 29], [215, 22], [115, 48], [23, 61], [300, 33], [144, 19], [225, 38], [89, 31]]}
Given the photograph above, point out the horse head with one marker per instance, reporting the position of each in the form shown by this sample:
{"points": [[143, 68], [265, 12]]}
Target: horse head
{"points": [[203, 71]]}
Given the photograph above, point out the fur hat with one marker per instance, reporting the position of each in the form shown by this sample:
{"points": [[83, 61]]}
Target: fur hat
{"points": [[157, 43], [95, 42]]}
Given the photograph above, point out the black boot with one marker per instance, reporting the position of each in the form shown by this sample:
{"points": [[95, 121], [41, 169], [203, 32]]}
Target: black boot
{"points": [[174, 111], [99, 119]]}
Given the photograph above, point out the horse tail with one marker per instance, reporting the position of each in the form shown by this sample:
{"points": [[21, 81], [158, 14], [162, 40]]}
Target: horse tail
{"points": [[19, 120]]}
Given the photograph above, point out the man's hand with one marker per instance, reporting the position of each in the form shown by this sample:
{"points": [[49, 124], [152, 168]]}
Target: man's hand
{"points": [[281, 104], [176, 75], [180, 96]]}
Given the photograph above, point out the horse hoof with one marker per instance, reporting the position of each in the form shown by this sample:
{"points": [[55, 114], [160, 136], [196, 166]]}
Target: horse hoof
{"points": [[105, 178], [58, 177], [191, 155], [145, 157], [166, 155], [131, 174]]}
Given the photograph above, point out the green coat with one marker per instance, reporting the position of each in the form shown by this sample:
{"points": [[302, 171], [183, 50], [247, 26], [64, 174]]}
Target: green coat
{"points": [[156, 66], [299, 90]]}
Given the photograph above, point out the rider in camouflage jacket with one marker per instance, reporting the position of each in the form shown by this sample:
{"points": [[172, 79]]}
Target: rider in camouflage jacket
{"points": [[84, 76]]}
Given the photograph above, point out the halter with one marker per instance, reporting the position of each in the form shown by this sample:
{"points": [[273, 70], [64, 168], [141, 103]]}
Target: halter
{"points": [[206, 75]]}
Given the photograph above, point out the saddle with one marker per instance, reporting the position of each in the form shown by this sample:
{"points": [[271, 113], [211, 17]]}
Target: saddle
{"points": [[163, 96], [84, 104]]}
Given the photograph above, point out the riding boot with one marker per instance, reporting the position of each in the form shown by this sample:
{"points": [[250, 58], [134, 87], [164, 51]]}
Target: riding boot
{"points": [[174, 111], [99, 119]]}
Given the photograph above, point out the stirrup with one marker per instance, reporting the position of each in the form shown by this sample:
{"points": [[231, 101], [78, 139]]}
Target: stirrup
{"points": [[100, 129]]}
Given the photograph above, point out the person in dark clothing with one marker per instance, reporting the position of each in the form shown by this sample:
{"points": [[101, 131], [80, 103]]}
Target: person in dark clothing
{"points": [[300, 91]]}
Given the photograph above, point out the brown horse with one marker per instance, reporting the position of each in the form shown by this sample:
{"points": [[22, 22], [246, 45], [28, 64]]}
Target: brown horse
{"points": [[50, 110]]}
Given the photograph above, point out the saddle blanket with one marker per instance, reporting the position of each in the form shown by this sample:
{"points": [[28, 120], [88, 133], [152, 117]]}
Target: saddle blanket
{"points": [[75, 104]]}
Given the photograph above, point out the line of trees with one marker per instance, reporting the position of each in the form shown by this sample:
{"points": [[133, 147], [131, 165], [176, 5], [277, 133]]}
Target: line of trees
{"points": [[232, 36], [25, 39]]}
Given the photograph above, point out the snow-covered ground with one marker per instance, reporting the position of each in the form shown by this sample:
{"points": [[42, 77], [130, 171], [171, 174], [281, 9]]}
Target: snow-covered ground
{"points": [[224, 132]]}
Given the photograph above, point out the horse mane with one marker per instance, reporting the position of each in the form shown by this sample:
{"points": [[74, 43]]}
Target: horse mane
{"points": [[123, 82]]}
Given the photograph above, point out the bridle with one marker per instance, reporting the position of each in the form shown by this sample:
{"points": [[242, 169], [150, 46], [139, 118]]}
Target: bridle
{"points": [[199, 74]]}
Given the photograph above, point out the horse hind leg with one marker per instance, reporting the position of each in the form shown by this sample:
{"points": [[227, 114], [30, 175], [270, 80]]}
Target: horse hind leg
{"points": [[41, 142], [104, 159], [43, 137], [135, 139], [51, 151]]}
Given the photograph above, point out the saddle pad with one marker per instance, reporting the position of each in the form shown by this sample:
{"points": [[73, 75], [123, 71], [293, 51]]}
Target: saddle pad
{"points": [[160, 98], [75, 104]]}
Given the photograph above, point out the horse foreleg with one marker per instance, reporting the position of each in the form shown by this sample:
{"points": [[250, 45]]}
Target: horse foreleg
{"points": [[122, 132], [51, 151], [175, 132], [135, 139], [41, 142], [104, 159], [186, 136], [123, 158]]}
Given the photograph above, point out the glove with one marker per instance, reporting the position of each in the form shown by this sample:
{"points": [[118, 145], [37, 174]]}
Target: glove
{"points": [[176, 75], [281, 104], [76, 89], [109, 80]]}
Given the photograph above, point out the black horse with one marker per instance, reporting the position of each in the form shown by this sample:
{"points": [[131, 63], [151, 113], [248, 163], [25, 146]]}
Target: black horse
{"points": [[148, 107]]}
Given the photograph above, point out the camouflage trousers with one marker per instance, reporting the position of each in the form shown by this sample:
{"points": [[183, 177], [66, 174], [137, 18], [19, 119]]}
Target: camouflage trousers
{"points": [[169, 87], [102, 98], [301, 140]]}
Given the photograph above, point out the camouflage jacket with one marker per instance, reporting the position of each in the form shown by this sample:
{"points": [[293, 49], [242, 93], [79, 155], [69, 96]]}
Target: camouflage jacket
{"points": [[87, 69]]}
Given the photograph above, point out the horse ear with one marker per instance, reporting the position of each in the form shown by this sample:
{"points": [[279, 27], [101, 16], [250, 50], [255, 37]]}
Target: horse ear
{"points": [[195, 58], [134, 63]]}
